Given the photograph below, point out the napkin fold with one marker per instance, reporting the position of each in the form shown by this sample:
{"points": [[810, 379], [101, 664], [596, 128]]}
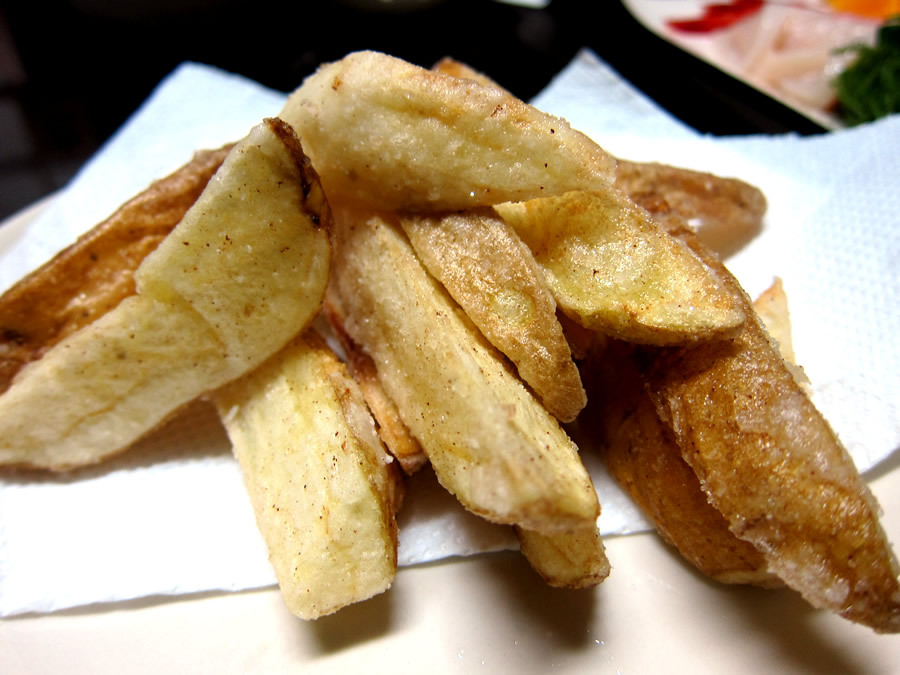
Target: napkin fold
{"points": [[171, 516]]}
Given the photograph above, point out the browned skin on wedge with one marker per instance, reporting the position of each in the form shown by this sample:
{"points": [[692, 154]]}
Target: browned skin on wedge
{"points": [[642, 456], [208, 307], [726, 212], [94, 274], [771, 464], [393, 432], [493, 276]]}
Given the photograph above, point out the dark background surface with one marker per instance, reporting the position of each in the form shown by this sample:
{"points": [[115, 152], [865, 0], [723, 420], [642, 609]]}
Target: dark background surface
{"points": [[71, 71]]}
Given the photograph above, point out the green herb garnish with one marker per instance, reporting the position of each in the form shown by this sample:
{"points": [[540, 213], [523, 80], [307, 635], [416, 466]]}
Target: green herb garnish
{"points": [[870, 87]]}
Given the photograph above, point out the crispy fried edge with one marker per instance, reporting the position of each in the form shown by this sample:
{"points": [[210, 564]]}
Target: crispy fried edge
{"points": [[92, 275], [841, 524]]}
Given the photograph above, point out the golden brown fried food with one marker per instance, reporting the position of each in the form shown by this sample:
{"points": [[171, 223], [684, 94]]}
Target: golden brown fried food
{"points": [[323, 489], [242, 273], [386, 134], [642, 455], [726, 212], [613, 269], [770, 463], [493, 276], [716, 441], [95, 273], [489, 440]]}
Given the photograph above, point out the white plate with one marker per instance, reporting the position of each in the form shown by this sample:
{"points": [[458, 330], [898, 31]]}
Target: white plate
{"points": [[655, 15]]}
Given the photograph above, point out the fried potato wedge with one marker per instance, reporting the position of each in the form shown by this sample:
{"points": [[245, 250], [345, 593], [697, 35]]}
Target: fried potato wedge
{"points": [[94, 274], [772, 308], [323, 489], [574, 559], [726, 454], [725, 212], [770, 463], [643, 457], [391, 135], [487, 269], [240, 275], [488, 439], [614, 270], [399, 441]]}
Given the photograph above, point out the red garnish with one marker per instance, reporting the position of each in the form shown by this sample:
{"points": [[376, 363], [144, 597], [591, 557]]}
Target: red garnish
{"points": [[717, 16]]}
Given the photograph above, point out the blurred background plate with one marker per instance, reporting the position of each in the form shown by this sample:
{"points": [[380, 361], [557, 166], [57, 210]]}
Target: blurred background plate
{"points": [[785, 50]]}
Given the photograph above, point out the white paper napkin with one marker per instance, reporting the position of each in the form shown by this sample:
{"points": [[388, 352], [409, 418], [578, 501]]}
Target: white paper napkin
{"points": [[171, 516]]}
